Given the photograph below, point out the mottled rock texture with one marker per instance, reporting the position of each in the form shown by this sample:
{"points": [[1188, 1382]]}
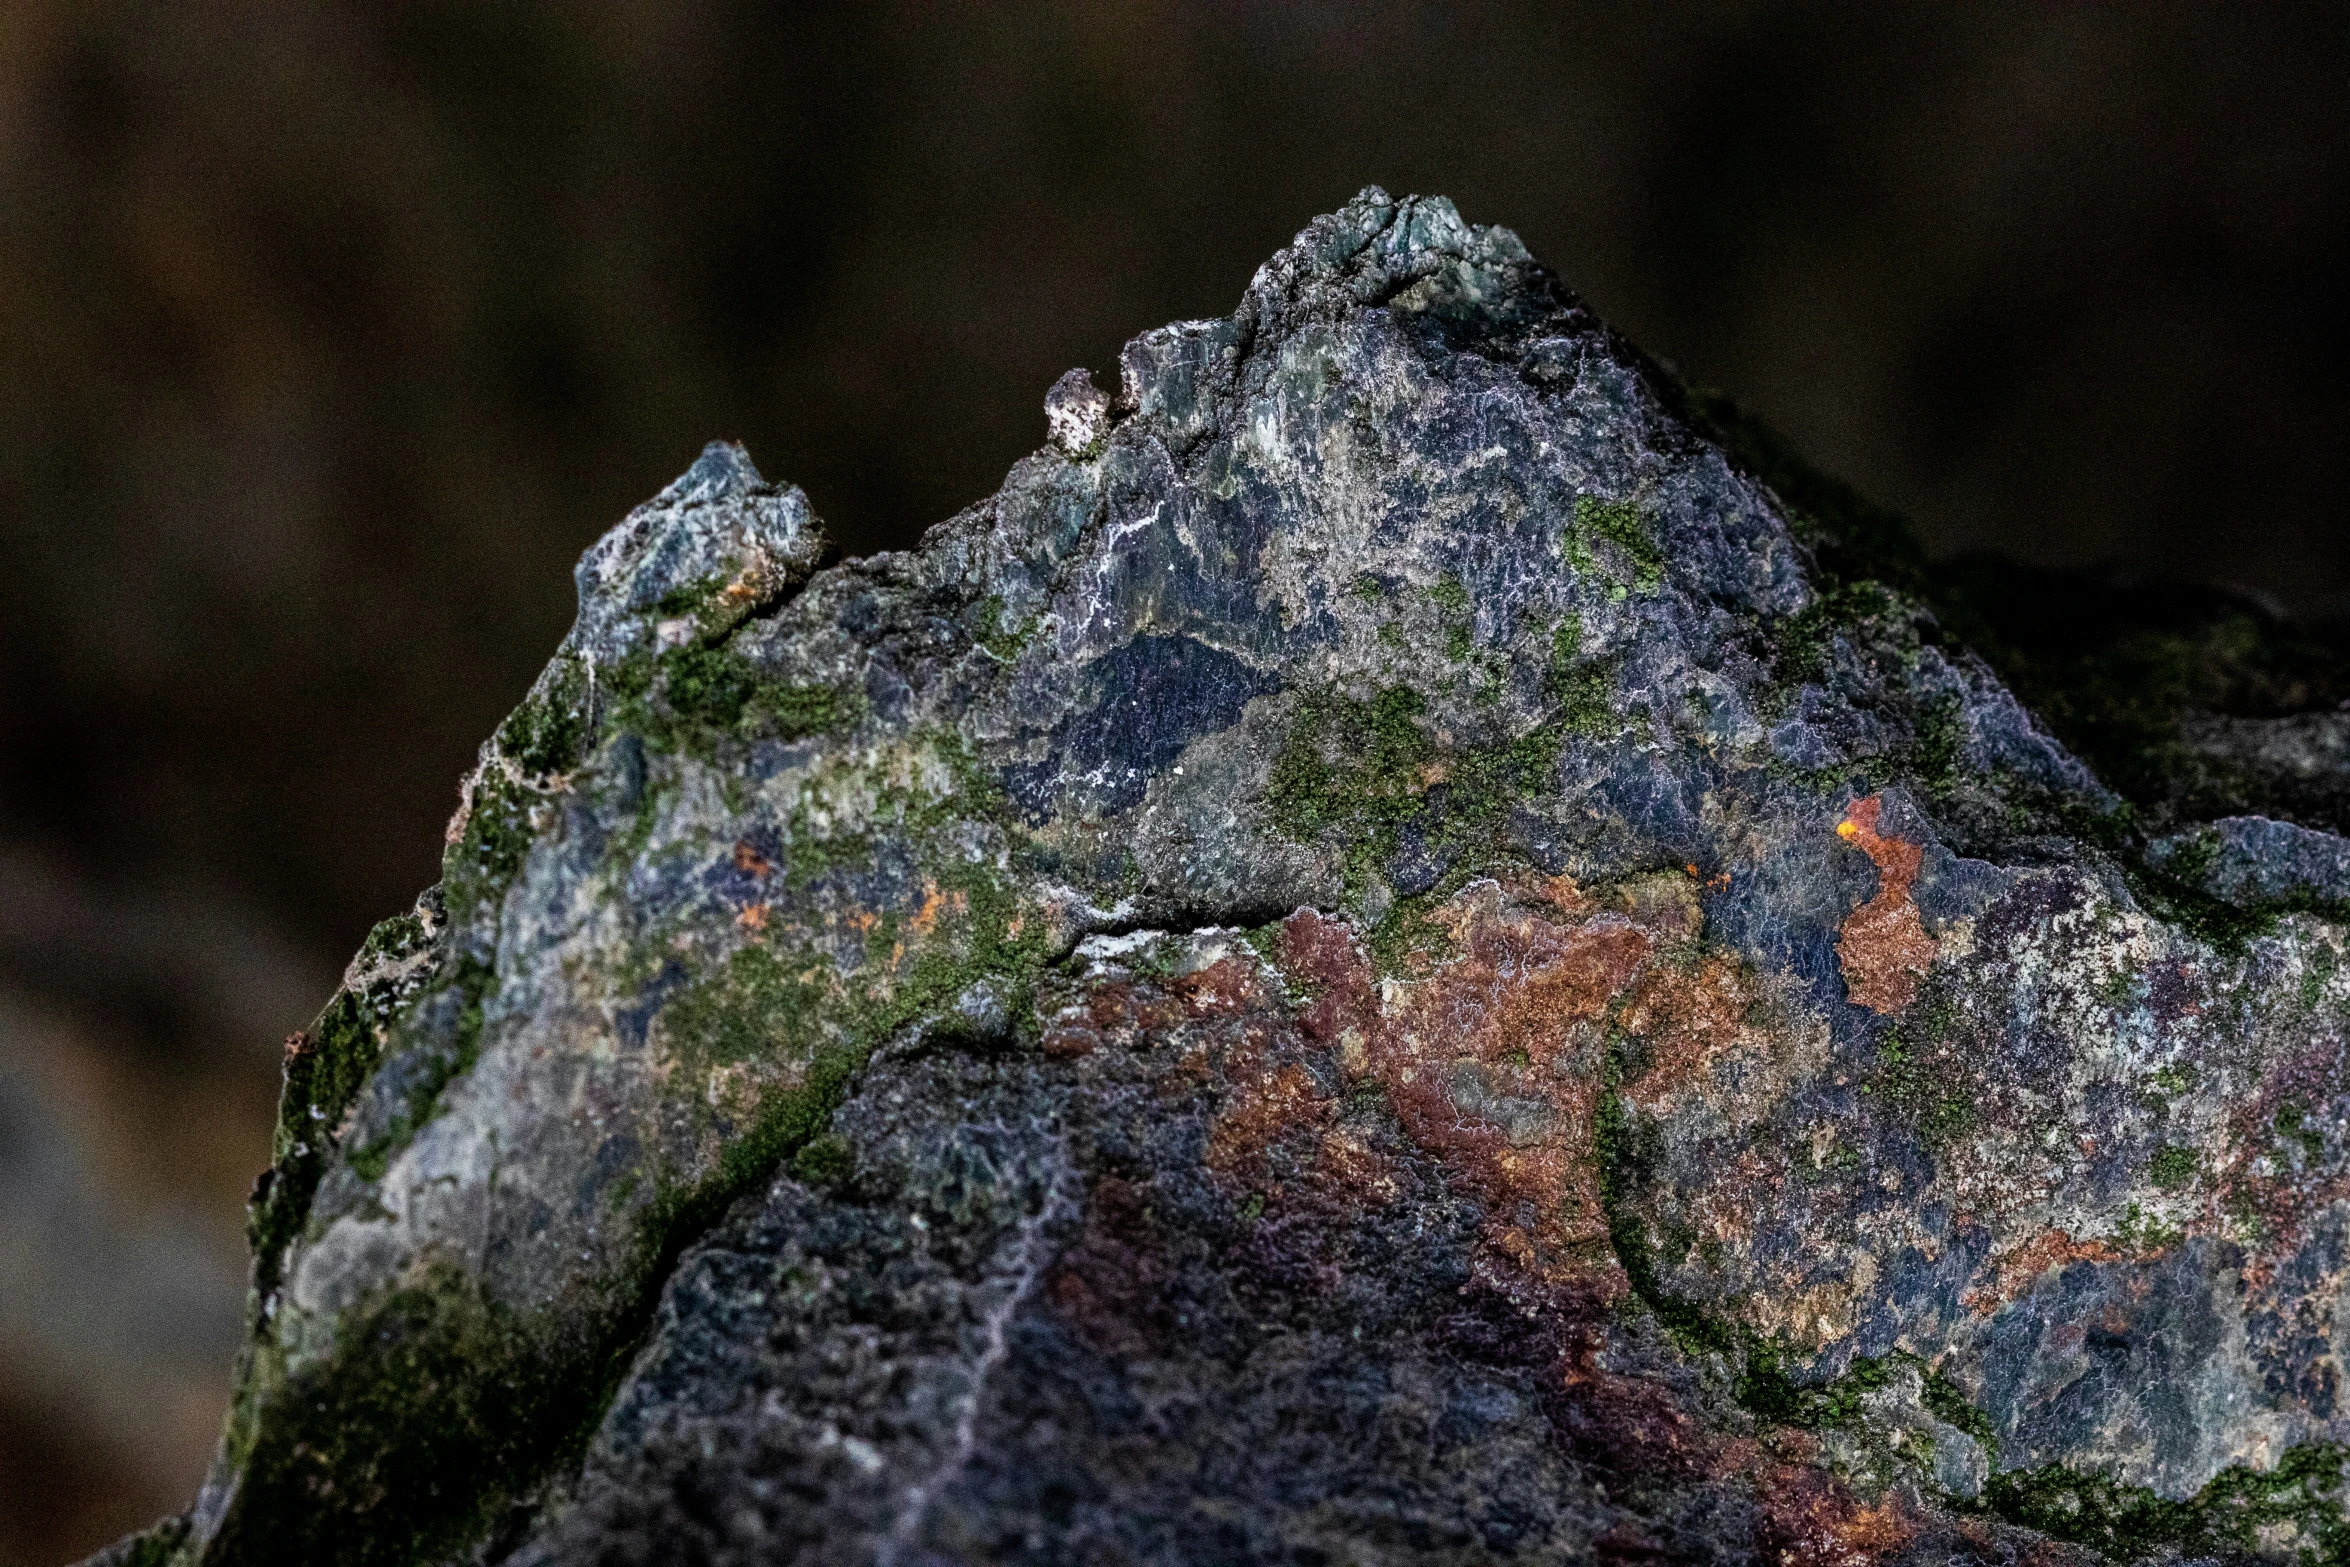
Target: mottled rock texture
{"points": [[1414, 946]]}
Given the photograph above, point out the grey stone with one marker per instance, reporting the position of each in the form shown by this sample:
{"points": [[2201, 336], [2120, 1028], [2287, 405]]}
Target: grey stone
{"points": [[1387, 955]]}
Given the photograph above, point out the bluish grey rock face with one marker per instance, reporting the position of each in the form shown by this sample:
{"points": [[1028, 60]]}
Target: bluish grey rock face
{"points": [[1383, 957]]}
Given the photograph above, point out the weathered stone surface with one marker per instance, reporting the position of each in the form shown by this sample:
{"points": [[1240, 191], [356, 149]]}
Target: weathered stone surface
{"points": [[1410, 947]]}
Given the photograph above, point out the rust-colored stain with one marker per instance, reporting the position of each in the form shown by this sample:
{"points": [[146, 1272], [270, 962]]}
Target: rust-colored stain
{"points": [[935, 905], [1811, 1520], [1884, 948], [748, 860], [1494, 1056], [1489, 1054], [2013, 1270]]}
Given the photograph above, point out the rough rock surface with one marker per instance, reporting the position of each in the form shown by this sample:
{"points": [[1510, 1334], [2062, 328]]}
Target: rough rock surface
{"points": [[1411, 947]]}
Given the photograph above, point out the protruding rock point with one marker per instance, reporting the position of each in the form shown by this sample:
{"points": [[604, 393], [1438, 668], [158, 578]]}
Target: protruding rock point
{"points": [[1076, 413]]}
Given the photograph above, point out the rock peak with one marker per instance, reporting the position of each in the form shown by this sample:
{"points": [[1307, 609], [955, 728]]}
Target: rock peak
{"points": [[1385, 953]]}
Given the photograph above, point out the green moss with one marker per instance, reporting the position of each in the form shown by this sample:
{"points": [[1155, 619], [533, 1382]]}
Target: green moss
{"points": [[1368, 588], [2129, 1523], [325, 1066], [1948, 1403], [404, 1453], [1005, 638], [1939, 744], [548, 733], [2173, 1167], [755, 1006], [1626, 1146], [443, 1055], [499, 830], [1865, 610], [1931, 1095], [1566, 643], [1352, 767], [1450, 594], [694, 698], [1620, 524], [824, 1160], [2292, 1125]]}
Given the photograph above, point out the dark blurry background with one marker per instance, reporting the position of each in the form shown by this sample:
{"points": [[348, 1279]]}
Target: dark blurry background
{"points": [[331, 334]]}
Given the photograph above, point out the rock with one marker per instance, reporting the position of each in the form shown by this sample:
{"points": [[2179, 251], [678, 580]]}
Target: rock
{"points": [[1413, 946]]}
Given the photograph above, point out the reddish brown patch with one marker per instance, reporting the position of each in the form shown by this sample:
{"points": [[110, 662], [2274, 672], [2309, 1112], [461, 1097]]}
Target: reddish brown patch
{"points": [[1069, 1040], [748, 859], [1266, 1101], [299, 1045], [1496, 1060], [2013, 1270], [1884, 948], [1689, 1020], [1810, 1519]]}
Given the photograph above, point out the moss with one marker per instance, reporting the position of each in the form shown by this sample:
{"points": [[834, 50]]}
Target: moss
{"points": [[1352, 767], [1625, 1146], [745, 1010], [325, 1067], [499, 830], [1620, 524], [548, 733], [1368, 588], [1939, 744], [404, 1453], [1006, 639], [1450, 594], [454, 1013], [1948, 1403], [2292, 1125], [1802, 641], [694, 698], [2173, 1167], [2128, 1523], [824, 1160], [1929, 1095]]}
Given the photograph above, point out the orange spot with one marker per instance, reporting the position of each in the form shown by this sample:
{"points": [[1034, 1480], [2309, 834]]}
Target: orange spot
{"points": [[748, 860], [753, 918], [1883, 948]]}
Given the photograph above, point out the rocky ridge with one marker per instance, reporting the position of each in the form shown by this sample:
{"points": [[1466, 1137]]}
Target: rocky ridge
{"points": [[1412, 946]]}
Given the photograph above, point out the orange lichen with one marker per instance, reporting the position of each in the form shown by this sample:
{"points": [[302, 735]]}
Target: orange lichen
{"points": [[1883, 947]]}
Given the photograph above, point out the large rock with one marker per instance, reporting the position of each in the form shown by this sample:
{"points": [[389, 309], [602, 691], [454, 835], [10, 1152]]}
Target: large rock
{"points": [[1411, 947]]}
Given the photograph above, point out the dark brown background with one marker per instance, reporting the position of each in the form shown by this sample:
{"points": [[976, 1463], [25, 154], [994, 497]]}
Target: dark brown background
{"points": [[330, 335]]}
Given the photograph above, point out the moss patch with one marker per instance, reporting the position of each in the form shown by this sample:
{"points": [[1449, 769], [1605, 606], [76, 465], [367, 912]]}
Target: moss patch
{"points": [[1622, 527], [396, 1455], [694, 698], [2303, 1495]]}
